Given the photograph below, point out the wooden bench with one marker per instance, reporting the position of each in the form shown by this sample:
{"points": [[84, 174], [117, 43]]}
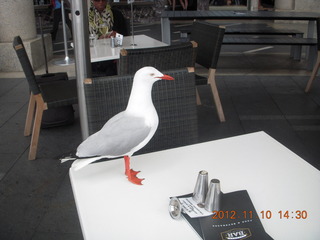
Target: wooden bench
{"points": [[263, 34], [250, 29], [260, 29], [283, 40]]}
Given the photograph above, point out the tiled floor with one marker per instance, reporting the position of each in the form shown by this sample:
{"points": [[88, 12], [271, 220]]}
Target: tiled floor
{"points": [[258, 92]]}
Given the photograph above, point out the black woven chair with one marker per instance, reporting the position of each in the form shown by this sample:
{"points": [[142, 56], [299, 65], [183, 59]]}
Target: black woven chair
{"points": [[209, 38], [173, 100], [43, 96], [317, 64], [162, 58]]}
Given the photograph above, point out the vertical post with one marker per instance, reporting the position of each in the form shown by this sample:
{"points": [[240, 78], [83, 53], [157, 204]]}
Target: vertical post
{"points": [[165, 30], [132, 29], [66, 61], [82, 57], [284, 4], [253, 5]]}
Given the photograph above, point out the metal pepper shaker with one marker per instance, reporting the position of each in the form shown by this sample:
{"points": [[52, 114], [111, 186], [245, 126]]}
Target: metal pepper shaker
{"points": [[213, 199], [112, 42]]}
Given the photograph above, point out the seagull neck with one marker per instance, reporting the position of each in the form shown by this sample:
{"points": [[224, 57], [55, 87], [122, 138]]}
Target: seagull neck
{"points": [[140, 99]]}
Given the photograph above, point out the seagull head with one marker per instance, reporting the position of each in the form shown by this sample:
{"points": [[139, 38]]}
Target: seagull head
{"points": [[150, 75]]}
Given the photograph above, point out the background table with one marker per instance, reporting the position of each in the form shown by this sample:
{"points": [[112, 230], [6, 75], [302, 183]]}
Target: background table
{"points": [[103, 50], [276, 179], [166, 16]]}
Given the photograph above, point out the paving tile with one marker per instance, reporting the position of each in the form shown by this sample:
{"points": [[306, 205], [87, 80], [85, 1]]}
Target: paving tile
{"points": [[280, 85], [311, 139], [279, 129], [7, 84], [57, 235], [296, 104], [8, 111], [19, 92], [7, 161], [12, 139], [62, 216]]}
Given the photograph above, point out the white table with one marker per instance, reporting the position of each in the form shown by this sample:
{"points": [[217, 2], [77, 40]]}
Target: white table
{"points": [[103, 51], [276, 179]]}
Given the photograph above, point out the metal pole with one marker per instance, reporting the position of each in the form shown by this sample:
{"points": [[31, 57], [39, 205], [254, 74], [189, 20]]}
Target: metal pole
{"points": [[43, 43], [66, 61], [132, 30], [82, 57]]}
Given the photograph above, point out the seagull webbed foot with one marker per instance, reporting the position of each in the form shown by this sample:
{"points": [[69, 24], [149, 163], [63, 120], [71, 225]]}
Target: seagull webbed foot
{"points": [[132, 177], [131, 174]]}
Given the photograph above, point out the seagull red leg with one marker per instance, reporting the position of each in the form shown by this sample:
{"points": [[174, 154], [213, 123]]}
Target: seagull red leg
{"points": [[131, 174]]}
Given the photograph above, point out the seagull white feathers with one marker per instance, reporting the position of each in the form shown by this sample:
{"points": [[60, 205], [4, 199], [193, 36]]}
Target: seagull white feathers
{"points": [[127, 131]]}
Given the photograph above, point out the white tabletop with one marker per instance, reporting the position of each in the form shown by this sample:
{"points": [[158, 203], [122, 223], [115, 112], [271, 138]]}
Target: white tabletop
{"points": [[276, 179], [103, 50]]}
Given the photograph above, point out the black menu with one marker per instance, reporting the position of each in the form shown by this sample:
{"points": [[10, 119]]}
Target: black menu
{"points": [[236, 220]]}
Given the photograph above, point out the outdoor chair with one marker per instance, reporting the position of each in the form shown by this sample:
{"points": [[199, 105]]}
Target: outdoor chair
{"points": [[162, 58], [317, 64], [43, 96], [209, 39], [174, 101]]}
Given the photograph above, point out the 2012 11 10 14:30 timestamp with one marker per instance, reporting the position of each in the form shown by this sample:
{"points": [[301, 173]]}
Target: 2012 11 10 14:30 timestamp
{"points": [[286, 214]]}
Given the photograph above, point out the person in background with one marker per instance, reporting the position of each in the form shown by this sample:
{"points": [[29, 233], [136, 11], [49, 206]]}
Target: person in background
{"points": [[101, 19], [57, 16], [105, 22], [184, 4]]}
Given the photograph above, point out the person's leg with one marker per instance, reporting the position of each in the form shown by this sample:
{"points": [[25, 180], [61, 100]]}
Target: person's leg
{"points": [[56, 21], [68, 21]]}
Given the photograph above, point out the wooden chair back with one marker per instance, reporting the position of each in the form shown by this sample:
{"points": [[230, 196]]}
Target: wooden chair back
{"points": [[209, 38], [25, 64]]}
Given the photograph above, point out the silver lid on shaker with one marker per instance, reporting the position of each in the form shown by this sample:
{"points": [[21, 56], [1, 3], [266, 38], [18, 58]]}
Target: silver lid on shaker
{"points": [[175, 208]]}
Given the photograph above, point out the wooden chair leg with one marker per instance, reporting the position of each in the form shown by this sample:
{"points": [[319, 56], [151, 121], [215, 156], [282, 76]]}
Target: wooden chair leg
{"points": [[314, 74], [40, 107], [216, 97], [30, 115]]}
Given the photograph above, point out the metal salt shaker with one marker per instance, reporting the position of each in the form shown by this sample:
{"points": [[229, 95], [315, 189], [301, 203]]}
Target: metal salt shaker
{"points": [[213, 199], [201, 188], [92, 40]]}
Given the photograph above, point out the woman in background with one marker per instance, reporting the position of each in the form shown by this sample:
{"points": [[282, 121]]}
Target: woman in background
{"points": [[105, 21]]}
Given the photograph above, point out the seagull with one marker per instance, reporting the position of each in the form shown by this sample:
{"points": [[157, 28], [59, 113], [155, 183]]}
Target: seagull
{"points": [[128, 131]]}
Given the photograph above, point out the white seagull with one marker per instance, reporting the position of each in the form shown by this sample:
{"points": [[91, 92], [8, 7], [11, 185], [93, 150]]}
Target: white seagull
{"points": [[128, 131]]}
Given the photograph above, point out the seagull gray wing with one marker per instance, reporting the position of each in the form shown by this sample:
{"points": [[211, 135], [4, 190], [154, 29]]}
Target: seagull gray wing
{"points": [[118, 137]]}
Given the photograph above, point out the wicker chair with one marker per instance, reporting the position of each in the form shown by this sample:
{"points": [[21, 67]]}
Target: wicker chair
{"points": [[43, 96], [174, 101], [317, 64], [162, 58], [209, 38]]}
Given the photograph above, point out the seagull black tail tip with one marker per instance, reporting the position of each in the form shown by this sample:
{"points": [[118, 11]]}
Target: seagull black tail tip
{"points": [[67, 157]]}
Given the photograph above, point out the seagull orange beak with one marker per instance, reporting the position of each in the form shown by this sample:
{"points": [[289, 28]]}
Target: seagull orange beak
{"points": [[166, 77]]}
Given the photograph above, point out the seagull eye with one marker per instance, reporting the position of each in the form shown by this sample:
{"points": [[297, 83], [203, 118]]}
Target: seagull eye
{"points": [[152, 74]]}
